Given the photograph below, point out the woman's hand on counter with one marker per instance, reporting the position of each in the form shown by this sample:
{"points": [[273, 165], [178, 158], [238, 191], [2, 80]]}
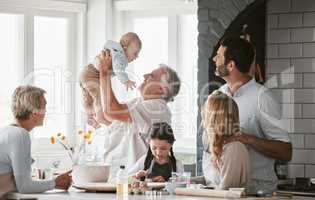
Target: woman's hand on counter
{"points": [[63, 181]]}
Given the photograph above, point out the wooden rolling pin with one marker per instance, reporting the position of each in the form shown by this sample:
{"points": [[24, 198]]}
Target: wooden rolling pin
{"points": [[208, 193]]}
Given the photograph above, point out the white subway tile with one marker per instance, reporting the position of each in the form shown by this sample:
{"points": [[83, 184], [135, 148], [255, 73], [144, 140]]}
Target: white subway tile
{"points": [[310, 171], [278, 66], [303, 126], [304, 96], [291, 111], [308, 110], [279, 36], [303, 35], [309, 50], [298, 156], [272, 21], [297, 140], [310, 141], [303, 65], [295, 171], [290, 20], [272, 51], [290, 50], [290, 80], [303, 5], [278, 6], [309, 80], [308, 19], [284, 80], [303, 156], [283, 95]]}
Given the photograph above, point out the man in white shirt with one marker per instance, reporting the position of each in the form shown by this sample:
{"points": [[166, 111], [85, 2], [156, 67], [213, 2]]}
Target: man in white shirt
{"points": [[260, 117], [131, 121]]}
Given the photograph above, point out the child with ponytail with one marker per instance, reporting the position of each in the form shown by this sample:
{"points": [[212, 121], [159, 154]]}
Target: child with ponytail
{"points": [[159, 163]]}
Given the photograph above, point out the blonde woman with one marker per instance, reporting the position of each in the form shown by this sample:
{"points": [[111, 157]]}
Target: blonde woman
{"points": [[226, 162], [29, 108]]}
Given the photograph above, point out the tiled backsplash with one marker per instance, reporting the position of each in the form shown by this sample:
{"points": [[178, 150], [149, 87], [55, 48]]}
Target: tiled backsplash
{"points": [[291, 62], [290, 45]]}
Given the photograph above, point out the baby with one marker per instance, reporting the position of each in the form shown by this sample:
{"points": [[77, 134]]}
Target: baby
{"points": [[122, 53]]}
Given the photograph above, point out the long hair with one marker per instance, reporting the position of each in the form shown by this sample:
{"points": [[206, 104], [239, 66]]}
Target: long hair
{"points": [[161, 131], [221, 120]]}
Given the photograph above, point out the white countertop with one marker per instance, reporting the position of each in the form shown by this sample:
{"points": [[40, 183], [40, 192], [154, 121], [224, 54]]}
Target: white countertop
{"points": [[74, 194]]}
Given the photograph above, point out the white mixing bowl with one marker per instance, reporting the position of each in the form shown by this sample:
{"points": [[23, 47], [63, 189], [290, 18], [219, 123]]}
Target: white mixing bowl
{"points": [[90, 173]]}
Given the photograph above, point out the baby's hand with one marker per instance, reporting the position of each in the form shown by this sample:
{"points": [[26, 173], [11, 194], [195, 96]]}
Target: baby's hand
{"points": [[130, 84], [92, 122], [141, 173]]}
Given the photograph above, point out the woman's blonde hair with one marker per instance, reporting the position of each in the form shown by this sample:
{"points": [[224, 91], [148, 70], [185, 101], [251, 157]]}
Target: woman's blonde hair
{"points": [[220, 120], [26, 100]]}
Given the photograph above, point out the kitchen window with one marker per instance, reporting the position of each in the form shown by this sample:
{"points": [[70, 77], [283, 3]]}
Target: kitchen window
{"points": [[41, 44], [168, 36]]}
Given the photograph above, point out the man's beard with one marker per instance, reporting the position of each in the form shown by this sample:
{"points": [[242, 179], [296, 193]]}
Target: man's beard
{"points": [[221, 71]]}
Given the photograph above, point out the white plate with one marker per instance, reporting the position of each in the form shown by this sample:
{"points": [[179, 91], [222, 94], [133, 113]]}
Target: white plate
{"points": [[96, 187]]}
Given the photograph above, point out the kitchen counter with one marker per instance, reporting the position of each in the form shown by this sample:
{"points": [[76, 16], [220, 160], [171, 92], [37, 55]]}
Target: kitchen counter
{"points": [[74, 194]]}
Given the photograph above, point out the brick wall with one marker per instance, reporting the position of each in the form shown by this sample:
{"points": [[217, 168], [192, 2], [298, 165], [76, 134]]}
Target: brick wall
{"points": [[291, 75]]}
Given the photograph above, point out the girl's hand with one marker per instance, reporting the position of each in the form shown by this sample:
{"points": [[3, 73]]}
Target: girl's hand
{"points": [[105, 61], [141, 173], [158, 179]]}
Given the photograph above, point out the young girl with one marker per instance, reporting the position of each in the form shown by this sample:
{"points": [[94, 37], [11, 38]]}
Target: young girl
{"points": [[160, 162], [225, 162]]}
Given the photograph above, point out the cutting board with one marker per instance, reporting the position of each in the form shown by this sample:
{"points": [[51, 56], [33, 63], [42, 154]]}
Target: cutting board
{"points": [[208, 193], [109, 187], [220, 194]]}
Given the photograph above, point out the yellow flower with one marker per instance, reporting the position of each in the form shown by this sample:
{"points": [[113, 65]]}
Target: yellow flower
{"points": [[89, 133], [80, 132], [63, 138], [59, 134], [52, 140], [86, 137]]}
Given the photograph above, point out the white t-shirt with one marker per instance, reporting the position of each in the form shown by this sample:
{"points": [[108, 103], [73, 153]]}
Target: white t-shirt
{"points": [[128, 142], [15, 158], [140, 166]]}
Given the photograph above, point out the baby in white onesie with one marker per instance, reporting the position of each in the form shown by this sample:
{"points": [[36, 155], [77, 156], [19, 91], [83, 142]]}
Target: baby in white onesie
{"points": [[122, 53]]}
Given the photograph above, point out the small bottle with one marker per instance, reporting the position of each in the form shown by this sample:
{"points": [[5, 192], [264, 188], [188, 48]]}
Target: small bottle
{"points": [[122, 182]]}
